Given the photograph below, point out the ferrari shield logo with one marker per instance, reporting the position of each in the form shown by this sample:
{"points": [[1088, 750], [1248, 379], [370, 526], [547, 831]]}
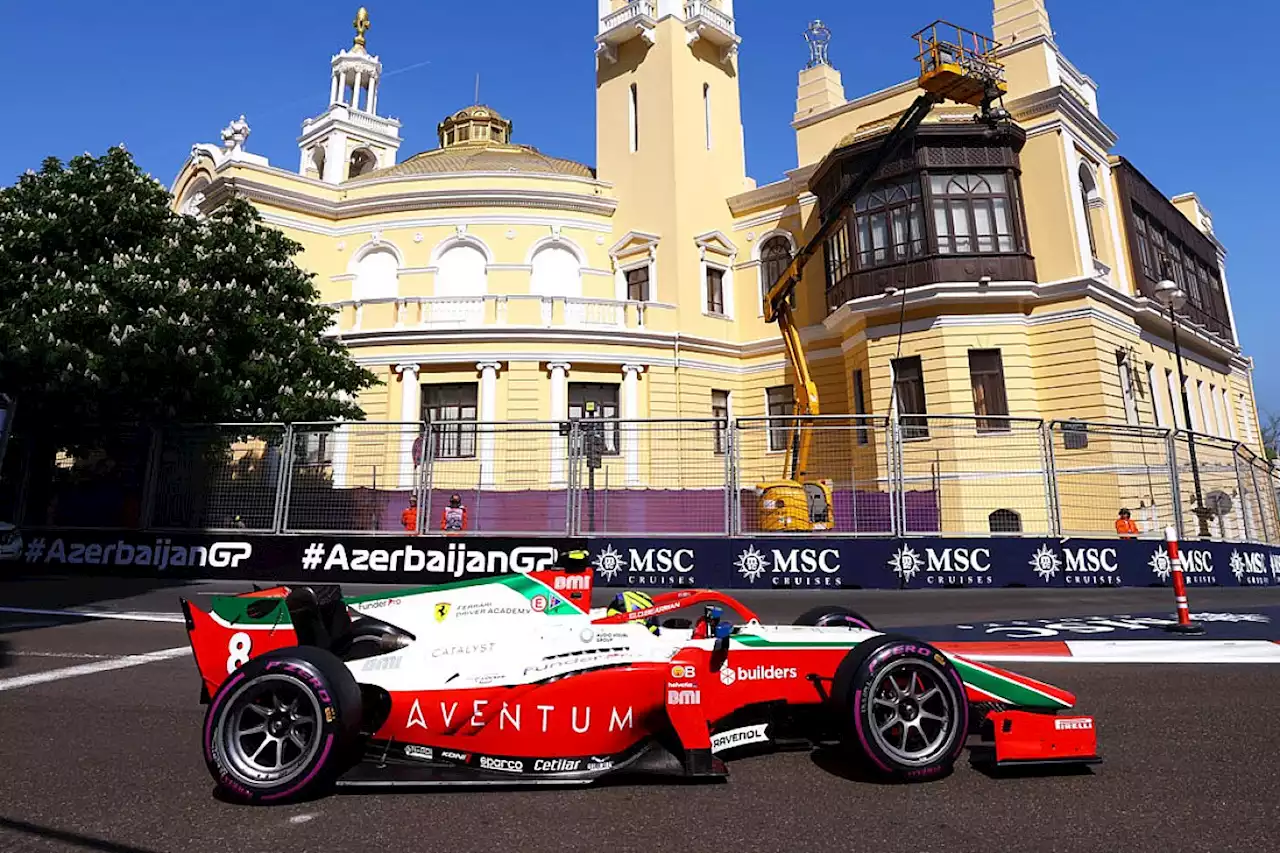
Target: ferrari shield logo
{"points": [[442, 610]]}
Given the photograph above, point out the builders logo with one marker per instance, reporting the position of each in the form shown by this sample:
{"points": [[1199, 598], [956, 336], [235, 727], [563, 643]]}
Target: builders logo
{"points": [[958, 566], [646, 566], [790, 567]]}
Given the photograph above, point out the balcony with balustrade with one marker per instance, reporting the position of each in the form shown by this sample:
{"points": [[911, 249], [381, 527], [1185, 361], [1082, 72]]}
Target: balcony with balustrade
{"points": [[513, 311], [706, 20], [635, 18]]}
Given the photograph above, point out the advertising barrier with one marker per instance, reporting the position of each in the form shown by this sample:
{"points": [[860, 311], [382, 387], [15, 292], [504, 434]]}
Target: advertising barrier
{"points": [[723, 563]]}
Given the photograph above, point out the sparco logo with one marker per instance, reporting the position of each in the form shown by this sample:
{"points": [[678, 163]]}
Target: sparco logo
{"points": [[456, 560], [647, 566], [944, 566], [506, 765], [161, 555], [791, 566], [1197, 566]]}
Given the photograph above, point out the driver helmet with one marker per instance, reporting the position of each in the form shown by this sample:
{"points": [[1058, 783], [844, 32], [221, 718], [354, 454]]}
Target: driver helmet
{"points": [[626, 602], [576, 559]]}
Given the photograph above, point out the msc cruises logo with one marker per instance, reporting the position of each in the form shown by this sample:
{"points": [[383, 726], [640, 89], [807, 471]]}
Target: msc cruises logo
{"points": [[1046, 564], [609, 563], [1161, 564], [906, 563], [752, 564]]}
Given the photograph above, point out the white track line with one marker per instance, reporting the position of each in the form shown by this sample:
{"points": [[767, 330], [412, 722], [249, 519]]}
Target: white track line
{"points": [[1175, 651], [128, 616], [91, 668], [1147, 651]]}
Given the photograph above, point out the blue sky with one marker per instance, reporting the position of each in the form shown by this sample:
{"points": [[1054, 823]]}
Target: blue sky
{"points": [[1176, 86]]}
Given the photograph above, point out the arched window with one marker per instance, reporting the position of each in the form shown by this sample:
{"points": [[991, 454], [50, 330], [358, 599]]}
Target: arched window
{"points": [[317, 160], [775, 256], [194, 195], [1005, 521], [375, 273], [461, 271], [362, 162], [556, 272], [1089, 192], [889, 225], [971, 213]]}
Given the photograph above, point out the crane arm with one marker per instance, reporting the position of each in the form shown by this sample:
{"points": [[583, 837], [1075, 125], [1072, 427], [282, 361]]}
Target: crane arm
{"points": [[780, 291], [777, 305]]}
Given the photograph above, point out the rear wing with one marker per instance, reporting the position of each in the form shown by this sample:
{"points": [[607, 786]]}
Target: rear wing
{"points": [[235, 629]]}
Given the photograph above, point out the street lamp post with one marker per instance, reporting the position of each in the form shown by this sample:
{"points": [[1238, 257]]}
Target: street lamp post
{"points": [[1172, 297]]}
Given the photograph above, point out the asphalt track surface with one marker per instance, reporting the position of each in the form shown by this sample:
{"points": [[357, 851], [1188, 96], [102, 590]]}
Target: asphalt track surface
{"points": [[110, 760]]}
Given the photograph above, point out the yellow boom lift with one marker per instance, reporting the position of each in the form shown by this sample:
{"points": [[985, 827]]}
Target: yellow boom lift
{"points": [[955, 64]]}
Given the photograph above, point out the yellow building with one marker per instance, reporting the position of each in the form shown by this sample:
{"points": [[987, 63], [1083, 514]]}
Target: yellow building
{"points": [[994, 275]]}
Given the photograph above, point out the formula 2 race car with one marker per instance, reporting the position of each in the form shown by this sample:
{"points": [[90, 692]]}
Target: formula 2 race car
{"points": [[516, 679]]}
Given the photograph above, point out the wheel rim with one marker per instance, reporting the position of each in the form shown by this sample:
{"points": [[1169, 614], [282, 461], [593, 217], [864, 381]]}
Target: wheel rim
{"points": [[913, 711], [271, 730]]}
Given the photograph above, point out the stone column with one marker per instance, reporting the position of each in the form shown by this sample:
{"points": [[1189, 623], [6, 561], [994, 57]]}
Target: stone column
{"points": [[410, 412], [355, 90], [559, 412], [372, 105], [487, 415], [630, 412], [333, 89]]}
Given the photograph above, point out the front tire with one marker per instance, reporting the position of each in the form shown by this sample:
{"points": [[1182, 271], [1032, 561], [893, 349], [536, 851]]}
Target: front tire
{"points": [[833, 616], [905, 708], [282, 726]]}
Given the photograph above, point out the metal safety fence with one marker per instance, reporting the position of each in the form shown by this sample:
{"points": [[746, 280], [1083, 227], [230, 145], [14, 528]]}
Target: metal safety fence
{"points": [[921, 475]]}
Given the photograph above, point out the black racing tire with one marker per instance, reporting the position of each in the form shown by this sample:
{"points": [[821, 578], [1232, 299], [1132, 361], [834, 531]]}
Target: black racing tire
{"points": [[904, 708], [309, 706], [833, 615]]}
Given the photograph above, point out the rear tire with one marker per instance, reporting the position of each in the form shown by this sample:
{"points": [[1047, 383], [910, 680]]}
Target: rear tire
{"points": [[831, 615], [283, 726], [904, 706]]}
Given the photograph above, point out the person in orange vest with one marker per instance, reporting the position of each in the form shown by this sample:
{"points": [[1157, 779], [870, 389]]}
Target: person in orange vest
{"points": [[409, 518], [1126, 526], [454, 517]]}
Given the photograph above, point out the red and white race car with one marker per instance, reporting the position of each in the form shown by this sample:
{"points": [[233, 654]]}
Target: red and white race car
{"points": [[515, 679]]}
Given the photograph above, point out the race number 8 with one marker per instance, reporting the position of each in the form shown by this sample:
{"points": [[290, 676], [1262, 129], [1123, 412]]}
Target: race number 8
{"points": [[238, 650]]}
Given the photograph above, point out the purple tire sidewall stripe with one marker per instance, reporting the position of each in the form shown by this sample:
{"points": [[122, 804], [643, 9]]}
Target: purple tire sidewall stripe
{"points": [[962, 711], [315, 771], [213, 710]]}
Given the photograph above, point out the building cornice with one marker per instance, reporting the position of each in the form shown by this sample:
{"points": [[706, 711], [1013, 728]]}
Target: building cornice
{"points": [[430, 222], [848, 106], [1147, 319], [1059, 99], [453, 199]]}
